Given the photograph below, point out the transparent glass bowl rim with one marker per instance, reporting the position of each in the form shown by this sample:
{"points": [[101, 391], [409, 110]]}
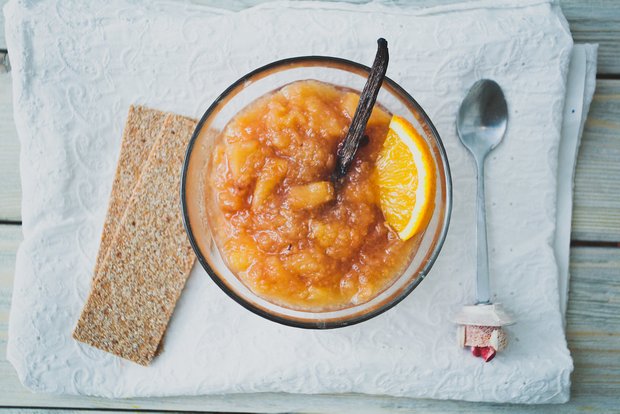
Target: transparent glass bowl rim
{"points": [[318, 61]]}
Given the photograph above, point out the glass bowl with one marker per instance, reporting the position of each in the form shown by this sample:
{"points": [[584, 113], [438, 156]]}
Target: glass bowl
{"points": [[193, 187]]}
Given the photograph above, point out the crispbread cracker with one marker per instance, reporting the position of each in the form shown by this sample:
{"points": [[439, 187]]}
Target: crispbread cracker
{"points": [[137, 286], [141, 131]]}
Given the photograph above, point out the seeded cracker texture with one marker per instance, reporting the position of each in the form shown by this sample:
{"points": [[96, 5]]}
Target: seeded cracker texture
{"points": [[140, 279], [141, 131]]}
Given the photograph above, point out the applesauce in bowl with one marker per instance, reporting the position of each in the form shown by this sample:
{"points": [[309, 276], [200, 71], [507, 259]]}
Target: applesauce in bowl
{"points": [[266, 221]]}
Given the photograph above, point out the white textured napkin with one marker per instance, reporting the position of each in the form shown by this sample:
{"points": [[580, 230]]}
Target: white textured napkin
{"points": [[78, 67]]}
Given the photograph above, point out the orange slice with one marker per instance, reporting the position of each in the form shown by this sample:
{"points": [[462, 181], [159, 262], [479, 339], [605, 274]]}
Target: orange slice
{"points": [[405, 175]]}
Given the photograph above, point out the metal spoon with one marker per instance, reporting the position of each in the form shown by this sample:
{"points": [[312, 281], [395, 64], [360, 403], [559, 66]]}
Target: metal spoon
{"points": [[481, 124]]}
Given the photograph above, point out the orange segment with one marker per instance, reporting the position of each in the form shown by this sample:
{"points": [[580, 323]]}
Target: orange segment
{"points": [[405, 174]]}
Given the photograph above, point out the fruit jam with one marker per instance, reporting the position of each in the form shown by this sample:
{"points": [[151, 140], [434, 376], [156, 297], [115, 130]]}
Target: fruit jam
{"points": [[281, 226]]}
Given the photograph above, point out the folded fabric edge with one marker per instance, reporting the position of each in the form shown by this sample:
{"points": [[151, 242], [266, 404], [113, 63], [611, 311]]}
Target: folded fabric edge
{"points": [[14, 36], [571, 118], [558, 395], [13, 351], [378, 6], [579, 93]]}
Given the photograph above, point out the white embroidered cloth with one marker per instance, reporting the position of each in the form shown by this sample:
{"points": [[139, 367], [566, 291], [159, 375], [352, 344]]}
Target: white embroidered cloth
{"points": [[77, 66]]}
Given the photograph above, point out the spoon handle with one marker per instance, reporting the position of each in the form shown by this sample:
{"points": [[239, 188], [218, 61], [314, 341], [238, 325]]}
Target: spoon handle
{"points": [[483, 295]]}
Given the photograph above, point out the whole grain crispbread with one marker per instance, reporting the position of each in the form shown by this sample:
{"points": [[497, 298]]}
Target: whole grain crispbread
{"points": [[148, 261], [141, 131]]}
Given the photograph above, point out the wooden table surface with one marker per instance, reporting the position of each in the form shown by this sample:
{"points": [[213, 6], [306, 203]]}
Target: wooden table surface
{"points": [[594, 305]]}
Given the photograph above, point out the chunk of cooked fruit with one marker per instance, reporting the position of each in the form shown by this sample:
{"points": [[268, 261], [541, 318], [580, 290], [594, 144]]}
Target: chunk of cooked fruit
{"points": [[378, 116], [242, 253], [282, 140], [299, 91], [336, 238], [308, 263], [270, 241], [231, 199], [318, 294], [323, 118], [361, 191], [271, 175], [310, 195], [238, 155], [324, 233]]}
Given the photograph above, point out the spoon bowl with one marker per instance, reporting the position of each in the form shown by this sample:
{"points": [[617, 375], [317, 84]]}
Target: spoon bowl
{"points": [[482, 117]]}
